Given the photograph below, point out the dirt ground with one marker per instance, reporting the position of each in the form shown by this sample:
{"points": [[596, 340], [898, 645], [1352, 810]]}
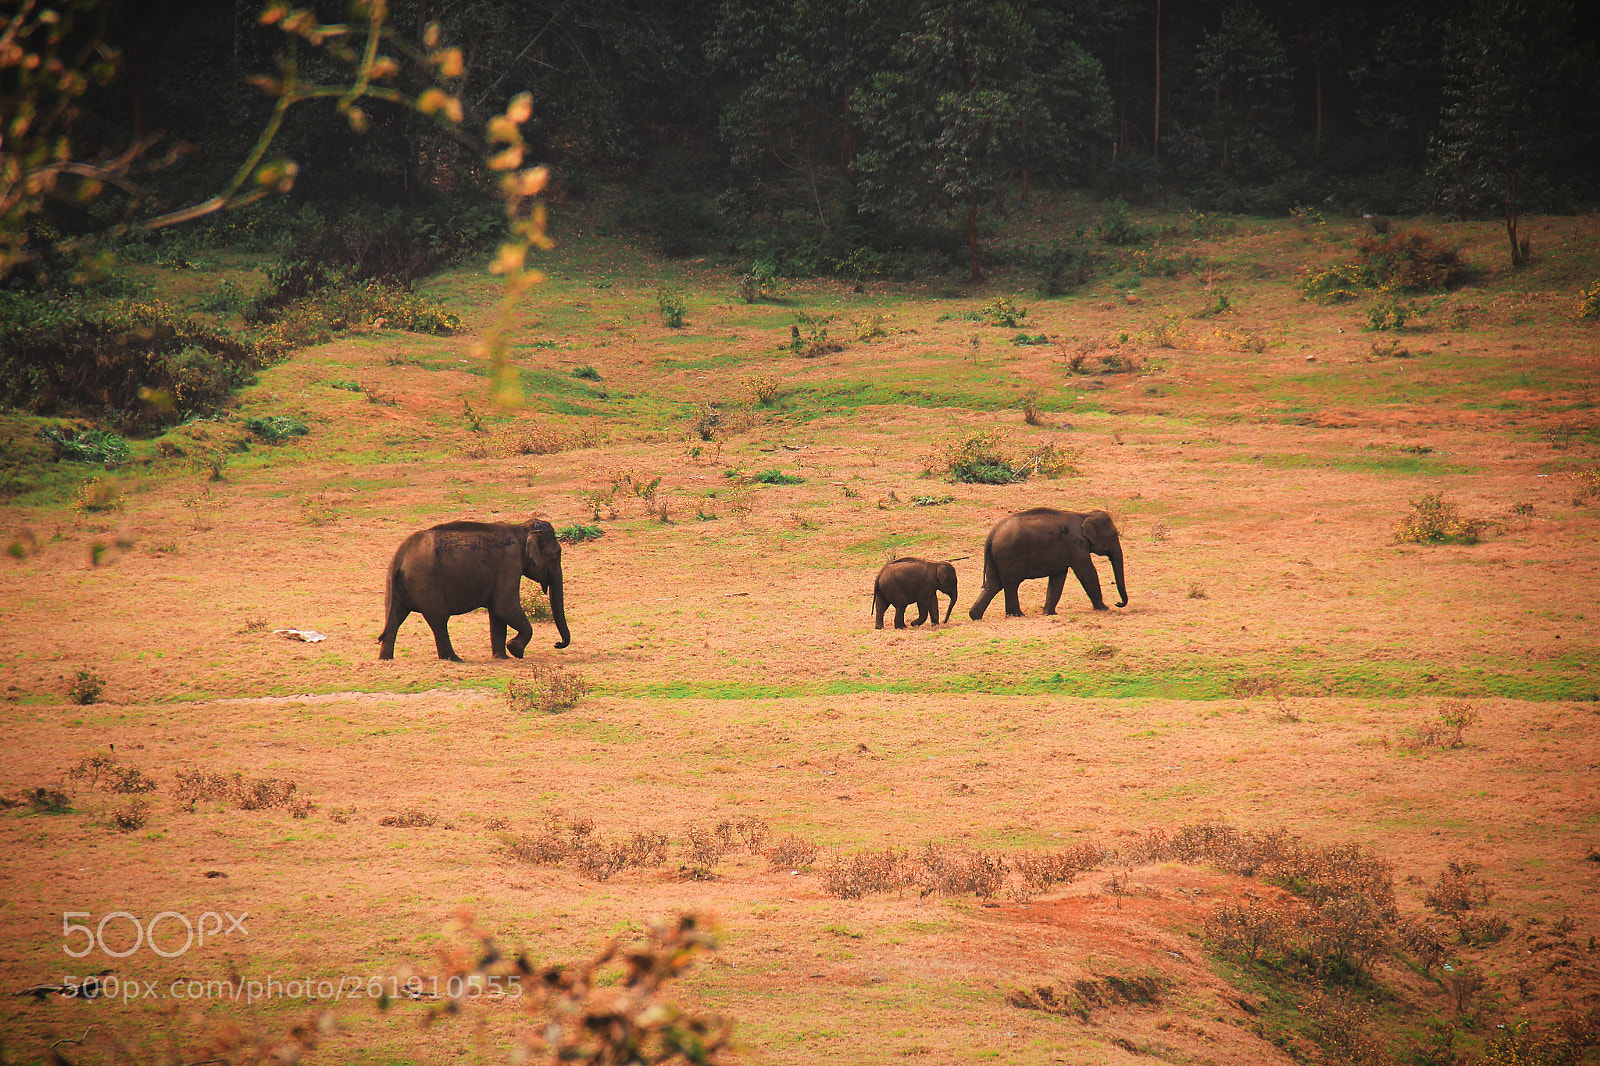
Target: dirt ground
{"points": [[1280, 663]]}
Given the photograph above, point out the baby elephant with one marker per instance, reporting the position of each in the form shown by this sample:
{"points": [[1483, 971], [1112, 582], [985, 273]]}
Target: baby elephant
{"points": [[919, 581]]}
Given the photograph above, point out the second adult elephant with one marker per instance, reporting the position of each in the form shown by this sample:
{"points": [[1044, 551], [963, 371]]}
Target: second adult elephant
{"points": [[1044, 542]]}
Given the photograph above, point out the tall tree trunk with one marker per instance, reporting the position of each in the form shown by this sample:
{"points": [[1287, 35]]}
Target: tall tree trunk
{"points": [[1511, 219], [972, 241], [1319, 105], [1155, 141]]}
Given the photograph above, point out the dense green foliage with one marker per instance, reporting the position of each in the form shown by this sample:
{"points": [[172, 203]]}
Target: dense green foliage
{"points": [[864, 139]]}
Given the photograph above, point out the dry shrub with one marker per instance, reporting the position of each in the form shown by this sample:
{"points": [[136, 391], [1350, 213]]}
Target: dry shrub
{"points": [[1344, 1031], [86, 688], [957, 871], [703, 845], [1045, 998], [535, 440], [867, 872], [1432, 521], [762, 389], [193, 786], [1040, 872], [131, 815], [547, 689], [1455, 716], [1049, 461], [751, 831], [1424, 941], [101, 770], [1250, 931], [609, 1009], [49, 801], [791, 852], [1030, 410], [253, 795], [410, 818], [1410, 261]]}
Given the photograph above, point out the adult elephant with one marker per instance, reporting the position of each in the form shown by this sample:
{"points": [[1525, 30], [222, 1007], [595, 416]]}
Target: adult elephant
{"points": [[461, 566], [906, 581], [1044, 542]]}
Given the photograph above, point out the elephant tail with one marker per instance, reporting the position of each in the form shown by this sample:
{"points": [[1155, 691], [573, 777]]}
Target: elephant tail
{"points": [[991, 574]]}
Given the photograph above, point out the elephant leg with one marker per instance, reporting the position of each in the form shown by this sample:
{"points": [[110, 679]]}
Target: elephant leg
{"points": [[396, 610], [880, 605], [924, 610], [519, 621], [497, 636], [1052, 591], [440, 624], [1013, 604], [1089, 578], [899, 616], [391, 630], [981, 604]]}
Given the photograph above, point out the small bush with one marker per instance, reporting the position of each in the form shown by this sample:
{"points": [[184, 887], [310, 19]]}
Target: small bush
{"points": [[1589, 302], [1389, 314], [983, 459], [190, 787], [101, 770], [577, 534], [1340, 283], [1432, 521], [791, 852], [126, 817], [536, 440], [49, 801], [87, 446], [775, 476], [762, 389], [1455, 716], [1048, 461], [808, 337], [1003, 311], [1458, 889], [275, 429], [410, 818], [1117, 225], [547, 690], [587, 373], [859, 875], [86, 688], [1064, 268], [1410, 261], [672, 304], [760, 282]]}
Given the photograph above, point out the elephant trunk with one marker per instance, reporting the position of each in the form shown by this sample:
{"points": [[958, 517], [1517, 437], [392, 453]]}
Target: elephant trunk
{"points": [[558, 611], [1116, 570]]}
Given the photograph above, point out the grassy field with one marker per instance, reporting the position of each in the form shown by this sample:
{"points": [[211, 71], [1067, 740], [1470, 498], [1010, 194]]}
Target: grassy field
{"points": [[1285, 662]]}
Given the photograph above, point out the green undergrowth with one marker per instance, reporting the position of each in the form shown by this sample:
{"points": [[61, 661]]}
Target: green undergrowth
{"points": [[1561, 681]]}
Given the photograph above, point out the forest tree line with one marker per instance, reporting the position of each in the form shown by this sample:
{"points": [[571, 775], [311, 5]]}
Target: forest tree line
{"points": [[861, 123]]}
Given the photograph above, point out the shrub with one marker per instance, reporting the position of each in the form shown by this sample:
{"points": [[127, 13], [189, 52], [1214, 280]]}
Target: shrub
{"points": [[87, 446], [1432, 521], [142, 364], [762, 388], [86, 688], [1117, 226], [808, 337], [1589, 302], [1065, 267], [548, 689], [1389, 314], [672, 305], [978, 458], [587, 373], [275, 429], [1339, 283], [126, 817], [775, 476], [1410, 261], [1002, 311], [577, 534], [1048, 461], [760, 282], [792, 852]]}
